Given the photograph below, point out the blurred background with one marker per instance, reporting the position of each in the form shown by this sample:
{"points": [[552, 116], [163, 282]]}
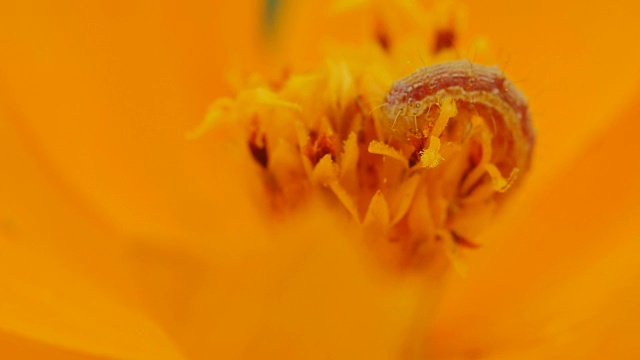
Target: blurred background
{"points": [[95, 99]]}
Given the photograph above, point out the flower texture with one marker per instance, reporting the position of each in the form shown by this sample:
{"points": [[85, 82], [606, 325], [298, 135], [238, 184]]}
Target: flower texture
{"points": [[316, 213]]}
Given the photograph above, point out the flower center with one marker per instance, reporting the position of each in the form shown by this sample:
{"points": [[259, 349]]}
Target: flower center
{"points": [[421, 173]]}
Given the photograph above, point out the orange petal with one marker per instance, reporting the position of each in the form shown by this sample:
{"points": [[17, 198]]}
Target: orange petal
{"points": [[106, 91], [16, 347], [64, 271]]}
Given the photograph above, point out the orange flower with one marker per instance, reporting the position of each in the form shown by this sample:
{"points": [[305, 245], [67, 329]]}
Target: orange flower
{"points": [[120, 239]]}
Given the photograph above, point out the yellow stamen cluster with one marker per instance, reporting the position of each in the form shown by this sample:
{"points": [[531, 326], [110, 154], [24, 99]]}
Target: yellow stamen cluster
{"points": [[414, 189]]}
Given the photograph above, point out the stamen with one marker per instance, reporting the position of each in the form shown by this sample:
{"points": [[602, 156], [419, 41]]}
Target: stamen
{"points": [[267, 97], [326, 173], [500, 184], [217, 110], [448, 110], [480, 128], [430, 157], [380, 148]]}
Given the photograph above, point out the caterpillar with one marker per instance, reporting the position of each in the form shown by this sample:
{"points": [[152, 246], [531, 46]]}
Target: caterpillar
{"points": [[464, 82]]}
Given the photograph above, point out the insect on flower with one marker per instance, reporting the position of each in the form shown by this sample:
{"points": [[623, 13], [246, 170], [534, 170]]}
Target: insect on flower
{"points": [[470, 127], [464, 82]]}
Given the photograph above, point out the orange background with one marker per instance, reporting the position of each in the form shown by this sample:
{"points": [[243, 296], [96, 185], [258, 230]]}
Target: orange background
{"points": [[104, 206]]}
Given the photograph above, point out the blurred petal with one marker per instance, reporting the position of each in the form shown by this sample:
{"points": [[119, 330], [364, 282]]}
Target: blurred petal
{"points": [[16, 347], [63, 276], [44, 301], [107, 89]]}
